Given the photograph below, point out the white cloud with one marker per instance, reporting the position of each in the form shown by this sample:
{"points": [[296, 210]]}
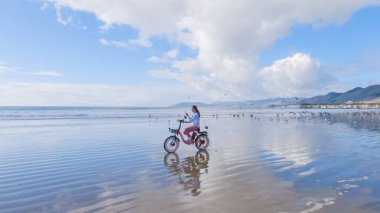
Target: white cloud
{"points": [[6, 68], [227, 36], [293, 76], [47, 94], [125, 44], [140, 42], [49, 73], [155, 59], [168, 57], [44, 6], [172, 53], [121, 44], [64, 20]]}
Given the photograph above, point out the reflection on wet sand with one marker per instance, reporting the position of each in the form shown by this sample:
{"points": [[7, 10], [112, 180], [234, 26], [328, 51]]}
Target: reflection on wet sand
{"points": [[189, 170], [272, 161]]}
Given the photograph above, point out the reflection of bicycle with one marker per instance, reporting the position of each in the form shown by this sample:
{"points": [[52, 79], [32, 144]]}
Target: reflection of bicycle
{"points": [[201, 158], [188, 171], [199, 138]]}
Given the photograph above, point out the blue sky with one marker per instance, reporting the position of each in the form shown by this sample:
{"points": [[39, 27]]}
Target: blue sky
{"points": [[33, 40], [55, 48]]}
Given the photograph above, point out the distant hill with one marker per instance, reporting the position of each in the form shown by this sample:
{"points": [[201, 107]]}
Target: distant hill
{"points": [[256, 103], [189, 104], [244, 104], [355, 95], [369, 94], [276, 102]]}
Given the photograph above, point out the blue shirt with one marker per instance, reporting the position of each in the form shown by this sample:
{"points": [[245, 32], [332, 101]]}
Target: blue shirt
{"points": [[194, 119]]}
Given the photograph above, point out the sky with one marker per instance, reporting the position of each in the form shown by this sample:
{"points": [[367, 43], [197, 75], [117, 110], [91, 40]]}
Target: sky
{"points": [[158, 53]]}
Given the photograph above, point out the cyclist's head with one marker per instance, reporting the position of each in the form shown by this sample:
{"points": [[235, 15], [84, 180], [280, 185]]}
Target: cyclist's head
{"points": [[194, 108]]}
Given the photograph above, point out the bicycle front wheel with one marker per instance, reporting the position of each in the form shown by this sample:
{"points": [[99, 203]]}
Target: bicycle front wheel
{"points": [[171, 160], [171, 144]]}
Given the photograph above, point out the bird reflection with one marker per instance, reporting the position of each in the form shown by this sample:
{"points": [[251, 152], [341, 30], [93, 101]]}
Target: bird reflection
{"points": [[189, 170]]}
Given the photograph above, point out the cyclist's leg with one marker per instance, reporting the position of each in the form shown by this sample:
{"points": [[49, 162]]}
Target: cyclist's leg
{"points": [[190, 129], [194, 133]]}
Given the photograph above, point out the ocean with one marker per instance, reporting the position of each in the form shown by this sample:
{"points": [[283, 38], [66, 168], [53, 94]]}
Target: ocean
{"points": [[96, 159]]}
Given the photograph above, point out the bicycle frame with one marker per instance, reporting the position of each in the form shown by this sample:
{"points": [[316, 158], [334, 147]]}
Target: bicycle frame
{"points": [[178, 132]]}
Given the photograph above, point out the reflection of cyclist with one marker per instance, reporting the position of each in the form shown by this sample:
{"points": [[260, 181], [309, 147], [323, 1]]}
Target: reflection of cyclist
{"points": [[195, 119], [192, 181]]}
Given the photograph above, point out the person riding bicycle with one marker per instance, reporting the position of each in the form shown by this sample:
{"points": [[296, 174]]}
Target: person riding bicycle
{"points": [[195, 120]]}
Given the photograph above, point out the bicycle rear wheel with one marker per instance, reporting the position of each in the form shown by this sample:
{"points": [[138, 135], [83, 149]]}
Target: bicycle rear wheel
{"points": [[171, 144], [202, 142]]}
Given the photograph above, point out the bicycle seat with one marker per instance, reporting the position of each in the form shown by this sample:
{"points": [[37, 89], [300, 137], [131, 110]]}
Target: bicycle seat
{"points": [[201, 132]]}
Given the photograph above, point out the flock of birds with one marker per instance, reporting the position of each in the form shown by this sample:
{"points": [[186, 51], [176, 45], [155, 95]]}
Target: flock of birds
{"points": [[307, 115], [346, 116], [365, 119]]}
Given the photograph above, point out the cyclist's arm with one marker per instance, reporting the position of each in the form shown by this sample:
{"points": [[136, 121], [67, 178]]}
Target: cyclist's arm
{"points": [[193, 118], [190, 119]]}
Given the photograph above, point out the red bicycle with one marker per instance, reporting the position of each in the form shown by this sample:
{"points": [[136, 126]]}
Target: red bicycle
{"points": [[199, 138]]}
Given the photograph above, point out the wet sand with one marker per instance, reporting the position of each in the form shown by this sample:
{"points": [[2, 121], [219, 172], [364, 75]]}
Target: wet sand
{"points": [[277, 161]]}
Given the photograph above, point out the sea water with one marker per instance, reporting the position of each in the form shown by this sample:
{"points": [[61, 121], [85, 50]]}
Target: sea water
{"points": [[78, 159]]}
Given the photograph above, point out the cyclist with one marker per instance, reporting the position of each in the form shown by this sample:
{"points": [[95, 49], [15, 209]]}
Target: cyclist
{"points": [[195, 120]]}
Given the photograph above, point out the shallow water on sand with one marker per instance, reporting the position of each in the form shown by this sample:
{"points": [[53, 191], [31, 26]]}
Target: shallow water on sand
{"points": [[265, 163]]}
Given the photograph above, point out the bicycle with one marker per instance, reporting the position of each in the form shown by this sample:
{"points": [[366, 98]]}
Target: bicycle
{"points": [[199, 138]]}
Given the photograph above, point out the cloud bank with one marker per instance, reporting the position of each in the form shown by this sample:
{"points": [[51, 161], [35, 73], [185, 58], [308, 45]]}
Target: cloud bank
{"points": [[228, 38], [295, 75], [51, 94]]}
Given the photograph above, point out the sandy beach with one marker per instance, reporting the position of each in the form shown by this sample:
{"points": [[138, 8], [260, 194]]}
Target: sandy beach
{"points": [[75, 160]]}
